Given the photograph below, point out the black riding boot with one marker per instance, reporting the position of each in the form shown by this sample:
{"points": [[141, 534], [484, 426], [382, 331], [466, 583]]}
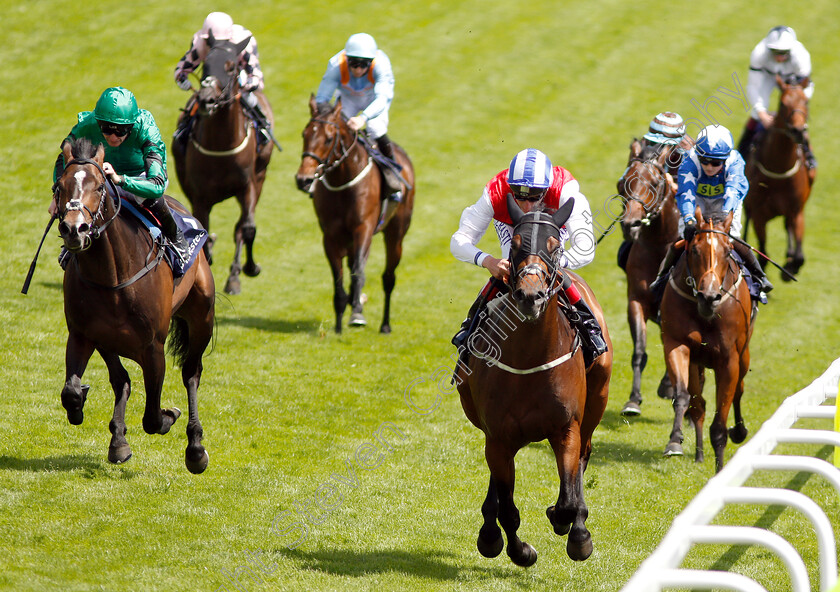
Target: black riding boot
{"points": [[490, 290], [752, 265], [584, 321], [810, 159], [665, 268], [170, 229], [745, 143], [254, 111], [392, 179]]}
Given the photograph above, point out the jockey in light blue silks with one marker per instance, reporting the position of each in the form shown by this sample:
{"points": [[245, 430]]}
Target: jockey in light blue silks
{"points": [[712, 178]]}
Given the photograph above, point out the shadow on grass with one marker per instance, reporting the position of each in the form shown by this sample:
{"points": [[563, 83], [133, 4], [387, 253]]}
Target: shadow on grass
{"points": [[429, 564], [613, 420], [67, 462], [273, 325]]}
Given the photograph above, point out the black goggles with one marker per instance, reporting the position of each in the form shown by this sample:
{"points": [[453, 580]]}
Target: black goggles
{"points": [[525, 193], [780, 52], [711, 161], [112, 129], [358, 62]]}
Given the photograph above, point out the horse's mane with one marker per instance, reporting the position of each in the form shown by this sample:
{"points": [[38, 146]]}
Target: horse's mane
{"points": [[716, 217], [82, 148], [651, 151], [324, 108]]}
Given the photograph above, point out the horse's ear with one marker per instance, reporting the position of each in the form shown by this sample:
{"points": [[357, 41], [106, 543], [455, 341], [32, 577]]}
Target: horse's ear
{"points": [[210, 39], [728, 221], [698, 214], [313, 105], [99, 157], [240, 47], [67, 151], [514, 210], [337, 106], [635, 149], [780, 83], [805, 82], [562, 214]]}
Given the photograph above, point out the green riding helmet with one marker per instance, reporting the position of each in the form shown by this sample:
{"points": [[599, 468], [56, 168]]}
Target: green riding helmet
{"points": [[117, 105]]}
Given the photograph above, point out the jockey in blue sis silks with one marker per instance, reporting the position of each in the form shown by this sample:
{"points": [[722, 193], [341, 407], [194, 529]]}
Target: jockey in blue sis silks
{"points": [[712, 178]]}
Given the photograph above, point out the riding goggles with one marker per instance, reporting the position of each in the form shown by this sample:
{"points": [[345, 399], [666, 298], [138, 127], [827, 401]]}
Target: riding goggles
{"points": [[358, 62], [711, 161], [525, 193], [112, 129], [780, 52]]}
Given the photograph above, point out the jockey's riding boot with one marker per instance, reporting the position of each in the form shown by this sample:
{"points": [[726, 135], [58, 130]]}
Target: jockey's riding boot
{"points": [[665, 268], [182, 132], [170, 229], [254, 111], [391, 204], [752, 265], [488, 292], [584, 321], [745, 143], [810, 159], [393, 183]]}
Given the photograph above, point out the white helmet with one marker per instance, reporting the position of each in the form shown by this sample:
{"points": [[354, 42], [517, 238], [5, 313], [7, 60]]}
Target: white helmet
{"points": [[780, 39], [360, 45], [218, 23]]}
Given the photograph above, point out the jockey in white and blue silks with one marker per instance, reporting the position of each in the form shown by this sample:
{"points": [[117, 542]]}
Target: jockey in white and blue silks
{"points": [[362, 77], [712, 178]]}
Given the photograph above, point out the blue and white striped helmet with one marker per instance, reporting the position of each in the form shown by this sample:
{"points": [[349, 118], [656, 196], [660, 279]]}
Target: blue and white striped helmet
{"points": [[530, 169], [714, 141]]}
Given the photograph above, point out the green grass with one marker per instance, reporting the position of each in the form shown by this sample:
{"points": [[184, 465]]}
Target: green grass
{"points": [[286, 404]]}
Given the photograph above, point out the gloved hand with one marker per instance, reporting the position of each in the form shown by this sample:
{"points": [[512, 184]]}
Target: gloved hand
{"points": [[690, 230], [184, 83]]}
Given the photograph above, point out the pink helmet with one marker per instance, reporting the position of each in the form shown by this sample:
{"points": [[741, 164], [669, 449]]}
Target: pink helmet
{"points": [[218, 23]]}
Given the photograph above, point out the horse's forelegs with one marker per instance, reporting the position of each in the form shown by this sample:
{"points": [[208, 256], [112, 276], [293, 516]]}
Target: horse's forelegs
{"points": [[738, 432], [118, 450], [393, 255], [761, 236], [638, 331], [196, 457], [726, 380], [334, 257], [155, 419], [697, 408], [490, 542], [248, 230], [677, 360], [357, 283], [74, 393], [569, 514], [202, 214], [795, 257], [502, 472]]}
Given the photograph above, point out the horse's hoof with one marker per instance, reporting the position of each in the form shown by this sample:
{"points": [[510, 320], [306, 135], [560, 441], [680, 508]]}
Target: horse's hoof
{"points": [[527, 558], [170, 416], [631, 409], [490, 550], [233, 287], [579, 550], [559, 529], [673, 449], [738, 433], [357, 319], [119, 454], [251, 270], [196, 467], [385, 329]]}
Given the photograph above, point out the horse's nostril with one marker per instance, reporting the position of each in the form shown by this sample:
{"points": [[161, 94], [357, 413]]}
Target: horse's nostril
{"points": [[63, 228], [84, 227]]}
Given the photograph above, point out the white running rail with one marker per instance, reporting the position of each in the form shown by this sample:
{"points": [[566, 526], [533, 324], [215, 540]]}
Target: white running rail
{"points": [[662, 570]]}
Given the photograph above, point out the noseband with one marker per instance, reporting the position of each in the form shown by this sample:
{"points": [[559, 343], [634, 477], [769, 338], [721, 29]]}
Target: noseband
{"points": [[550, 272]]}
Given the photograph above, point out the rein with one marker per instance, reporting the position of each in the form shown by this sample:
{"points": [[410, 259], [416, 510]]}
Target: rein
{"points": [[692, 283], [226, 97], [659, 192], [328, 164]]}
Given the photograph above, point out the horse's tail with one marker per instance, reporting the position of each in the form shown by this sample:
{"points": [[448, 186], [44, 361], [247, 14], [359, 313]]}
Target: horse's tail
{"points": [[178, 343]]}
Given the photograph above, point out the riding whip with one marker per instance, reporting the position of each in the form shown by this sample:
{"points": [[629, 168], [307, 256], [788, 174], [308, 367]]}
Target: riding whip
{"points": [[606, 232], [779, 267], [28, 279]]}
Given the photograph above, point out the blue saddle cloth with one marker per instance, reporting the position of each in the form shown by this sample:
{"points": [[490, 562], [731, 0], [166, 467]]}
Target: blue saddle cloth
{"points": [[194, 233]]}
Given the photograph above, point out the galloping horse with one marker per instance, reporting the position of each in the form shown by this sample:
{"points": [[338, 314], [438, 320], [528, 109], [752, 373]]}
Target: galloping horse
{"points": [[780, 183], [531, 385], [707, 319], [346, 190], [221, 157], [120, 301], [650, 221]]}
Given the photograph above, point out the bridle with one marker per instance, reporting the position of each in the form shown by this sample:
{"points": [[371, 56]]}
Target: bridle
{"points": [[660, 191], [337, 154], [76, 205], [691, 282], [548, 273]]}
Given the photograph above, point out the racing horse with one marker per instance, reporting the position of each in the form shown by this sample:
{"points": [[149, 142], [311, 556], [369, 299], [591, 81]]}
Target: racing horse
{"points": [[780, 183], [650, 223], [222, 157], [707, 320], [347, 194], [120, 301], [526, 382]]}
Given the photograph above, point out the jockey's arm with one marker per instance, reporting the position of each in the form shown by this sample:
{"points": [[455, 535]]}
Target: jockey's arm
{"points": [[474, 222], [581, 236]]}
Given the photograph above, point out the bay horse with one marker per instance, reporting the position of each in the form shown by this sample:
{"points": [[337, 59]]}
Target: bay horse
{"points": [[780, 182], [221, 157], [347, 193], [707, 320], [526, 382], [121, 302], [650, 222]]}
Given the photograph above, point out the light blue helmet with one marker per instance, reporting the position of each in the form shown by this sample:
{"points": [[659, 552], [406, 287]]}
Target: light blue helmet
{"points": [[530, 169], [714, 141], [360, 45]]}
